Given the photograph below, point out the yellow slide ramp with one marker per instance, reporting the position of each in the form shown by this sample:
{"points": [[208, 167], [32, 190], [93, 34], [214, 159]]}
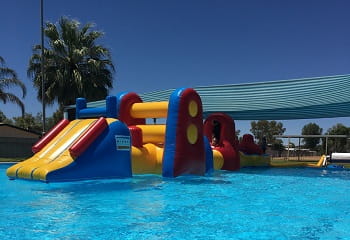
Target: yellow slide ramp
{"points": [[54, 155], [319, 164]]}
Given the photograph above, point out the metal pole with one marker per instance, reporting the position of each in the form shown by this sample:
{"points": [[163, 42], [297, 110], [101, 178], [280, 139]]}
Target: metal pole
{"points": [[42, 63], [299, 151], [288, 149]]}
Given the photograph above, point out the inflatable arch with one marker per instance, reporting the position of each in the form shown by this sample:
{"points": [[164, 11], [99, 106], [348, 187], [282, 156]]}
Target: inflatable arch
{"points": [[115, 141]]}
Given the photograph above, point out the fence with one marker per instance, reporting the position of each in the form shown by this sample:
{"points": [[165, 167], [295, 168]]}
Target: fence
{"points": [[12, 147]]}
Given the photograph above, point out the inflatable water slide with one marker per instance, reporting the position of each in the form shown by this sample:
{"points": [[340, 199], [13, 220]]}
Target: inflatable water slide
{"points": [[116, 142]]}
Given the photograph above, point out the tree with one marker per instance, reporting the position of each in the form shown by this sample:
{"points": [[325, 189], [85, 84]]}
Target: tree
{"points": [[29, 122], [338, 144], [277, 145], [311, 129], [264, 128], [75, 65], [4, 119], [8, 79], [56, 117]]}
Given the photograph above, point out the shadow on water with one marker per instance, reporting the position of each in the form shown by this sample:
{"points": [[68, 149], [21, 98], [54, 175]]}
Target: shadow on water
{"points": [[216, 177], [137, 183]]}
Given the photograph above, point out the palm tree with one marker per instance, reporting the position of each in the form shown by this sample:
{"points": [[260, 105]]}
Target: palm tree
{"points": [[8, 79], [75, 65]]}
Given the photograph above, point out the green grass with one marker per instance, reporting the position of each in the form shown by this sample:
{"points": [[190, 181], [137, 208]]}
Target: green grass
{"points": [[11, 159]]}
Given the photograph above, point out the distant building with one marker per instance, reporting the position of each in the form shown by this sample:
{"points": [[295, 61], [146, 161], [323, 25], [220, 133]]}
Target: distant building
{"points": [[16, 142]]}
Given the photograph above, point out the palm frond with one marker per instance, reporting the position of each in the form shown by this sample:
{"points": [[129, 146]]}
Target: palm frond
{"points": [[12, 98]]}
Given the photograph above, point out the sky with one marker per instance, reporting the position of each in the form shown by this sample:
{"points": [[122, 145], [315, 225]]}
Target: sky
{"points": [[162, 44]]}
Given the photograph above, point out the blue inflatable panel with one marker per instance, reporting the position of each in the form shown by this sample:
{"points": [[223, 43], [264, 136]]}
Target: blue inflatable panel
{"points": [[119, 100], [209, 159], [93, 112], [110, 111], [109, 156], [335, 166], [80, 104], [111, 106], [170, 136]]}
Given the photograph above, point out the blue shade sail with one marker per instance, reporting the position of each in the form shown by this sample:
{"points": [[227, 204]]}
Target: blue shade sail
{"points": [[319, 97]]}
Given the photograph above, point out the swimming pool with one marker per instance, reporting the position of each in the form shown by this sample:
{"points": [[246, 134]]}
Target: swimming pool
{"points": [[266, 203]]}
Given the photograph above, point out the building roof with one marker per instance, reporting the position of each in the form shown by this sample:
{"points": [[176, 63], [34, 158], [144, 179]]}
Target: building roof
{"points": [[8, 130], [319, 97]]}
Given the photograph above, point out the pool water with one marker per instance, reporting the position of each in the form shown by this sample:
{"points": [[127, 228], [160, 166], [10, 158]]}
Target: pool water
{"points": [[265, 203]]}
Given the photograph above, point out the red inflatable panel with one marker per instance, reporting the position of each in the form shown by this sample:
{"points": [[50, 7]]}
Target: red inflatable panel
{"points": [[230, 155], [50, 135], [189, 158], [125, 105], [88, 137], [248, 146], [136, 136], [227, 145]]}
